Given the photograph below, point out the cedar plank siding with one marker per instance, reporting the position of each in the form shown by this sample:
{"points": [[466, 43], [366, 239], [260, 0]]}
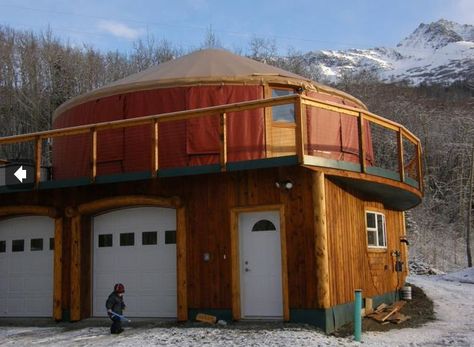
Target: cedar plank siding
{"points": [[208, 200], [352, 264]]}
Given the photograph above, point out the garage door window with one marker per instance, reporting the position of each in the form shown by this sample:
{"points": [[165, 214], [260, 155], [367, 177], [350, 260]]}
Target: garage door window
{"points": [[105, 240], [170, 237], [3, 246], [149, 238], [36, 245], [18, 245], [127, 239], [51, 243]]}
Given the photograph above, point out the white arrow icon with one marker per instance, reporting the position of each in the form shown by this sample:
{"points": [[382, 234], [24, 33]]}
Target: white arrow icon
{"points": [[20, 174]]}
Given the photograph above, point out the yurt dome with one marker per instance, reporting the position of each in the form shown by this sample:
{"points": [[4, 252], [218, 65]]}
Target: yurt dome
{"points": [[201, 79]]}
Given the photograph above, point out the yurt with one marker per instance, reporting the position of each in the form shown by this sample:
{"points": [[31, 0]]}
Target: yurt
{"points": [[213, 184]]}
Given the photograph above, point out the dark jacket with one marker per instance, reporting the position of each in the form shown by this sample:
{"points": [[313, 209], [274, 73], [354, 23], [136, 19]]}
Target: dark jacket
{"points": [[115, 303]]}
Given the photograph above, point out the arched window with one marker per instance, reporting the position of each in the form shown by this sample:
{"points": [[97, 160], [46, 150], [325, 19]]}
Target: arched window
{"points": [[264, 225]]}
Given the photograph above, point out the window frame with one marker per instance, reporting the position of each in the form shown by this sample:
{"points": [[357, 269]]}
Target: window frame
{"points": [[282, 123], [375, 229]]}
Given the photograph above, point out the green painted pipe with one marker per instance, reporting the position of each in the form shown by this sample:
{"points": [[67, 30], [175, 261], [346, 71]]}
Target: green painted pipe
{"points": [[358, 315]]}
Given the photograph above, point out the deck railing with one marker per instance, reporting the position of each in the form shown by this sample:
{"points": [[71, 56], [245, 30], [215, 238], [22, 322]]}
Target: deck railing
{"points": [[407, 163]]}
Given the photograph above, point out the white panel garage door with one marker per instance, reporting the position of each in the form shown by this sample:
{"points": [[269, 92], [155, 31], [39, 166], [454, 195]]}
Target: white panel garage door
{"points": [[26, 267], [136, 247]]}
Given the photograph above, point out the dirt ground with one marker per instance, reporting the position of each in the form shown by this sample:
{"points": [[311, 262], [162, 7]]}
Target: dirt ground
{"points": [[420, 309]]}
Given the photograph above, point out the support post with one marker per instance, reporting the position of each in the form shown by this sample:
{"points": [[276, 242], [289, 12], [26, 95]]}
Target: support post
{"points": [[358, 315], [76, 267], [361, 143], [401, 164], [299, 111], [321, 240], [154, 148], [93, 154], [223, 141]]}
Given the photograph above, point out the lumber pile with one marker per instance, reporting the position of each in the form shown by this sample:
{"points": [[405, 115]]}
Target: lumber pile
{"points": [[385, 314]]}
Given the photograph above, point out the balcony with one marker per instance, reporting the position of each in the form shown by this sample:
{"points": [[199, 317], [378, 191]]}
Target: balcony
{"points": [[357, 148]]}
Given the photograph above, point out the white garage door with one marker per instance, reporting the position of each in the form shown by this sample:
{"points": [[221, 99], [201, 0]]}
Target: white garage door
{"points": [[26, 267], [136, 247]]}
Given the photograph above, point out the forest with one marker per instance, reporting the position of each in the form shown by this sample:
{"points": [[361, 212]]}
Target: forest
{"points": [[38, 72]]}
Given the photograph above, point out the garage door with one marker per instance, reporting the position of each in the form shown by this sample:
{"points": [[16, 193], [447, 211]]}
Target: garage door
{"points": [[136, 247], [26, 267]]}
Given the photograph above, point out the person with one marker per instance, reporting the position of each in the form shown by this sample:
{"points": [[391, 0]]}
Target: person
{"points": [[116, 304]]}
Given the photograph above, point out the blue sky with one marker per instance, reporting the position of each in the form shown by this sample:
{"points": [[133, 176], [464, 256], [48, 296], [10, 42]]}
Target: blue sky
{"points": [[300, 25]]}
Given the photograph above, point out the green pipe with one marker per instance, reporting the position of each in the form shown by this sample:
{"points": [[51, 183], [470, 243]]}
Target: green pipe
{"points": [[357, 315]]}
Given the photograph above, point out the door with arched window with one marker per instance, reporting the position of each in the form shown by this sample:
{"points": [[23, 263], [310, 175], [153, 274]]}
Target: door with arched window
{"points": [[260, 265]]}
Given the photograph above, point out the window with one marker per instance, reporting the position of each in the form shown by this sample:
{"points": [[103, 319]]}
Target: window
{"points": [[18, 245], [105, 240], [3, 246], [51, 243], [127, 239], [283, 113], [376, 233], [36, 245], [170, 237], [264, 225], [149, 238]]}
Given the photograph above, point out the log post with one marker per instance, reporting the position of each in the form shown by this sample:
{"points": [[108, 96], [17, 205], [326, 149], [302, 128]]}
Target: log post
{"points": [[58, 265], [321, 241], [76, 267]]}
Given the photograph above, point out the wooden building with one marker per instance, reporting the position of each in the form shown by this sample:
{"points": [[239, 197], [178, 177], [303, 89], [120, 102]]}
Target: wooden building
{"points": [[211, 183]]}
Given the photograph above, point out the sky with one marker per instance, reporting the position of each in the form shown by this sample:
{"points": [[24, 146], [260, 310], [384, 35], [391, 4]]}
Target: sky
{"points": [[297, 25]]}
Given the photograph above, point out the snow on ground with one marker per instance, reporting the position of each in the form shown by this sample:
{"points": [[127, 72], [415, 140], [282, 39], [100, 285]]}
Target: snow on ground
{"points": [[454, 307]]}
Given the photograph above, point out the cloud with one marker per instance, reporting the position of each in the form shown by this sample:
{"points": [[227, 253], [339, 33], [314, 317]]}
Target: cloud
{"points": [[119, 29]]}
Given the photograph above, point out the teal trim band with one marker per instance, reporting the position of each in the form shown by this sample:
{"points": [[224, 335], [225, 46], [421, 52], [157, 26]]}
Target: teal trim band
{"points": [[321, 318], [412, 182], [121, 177], [378, 171], [189, 170], [262, 163], [221, 314]]}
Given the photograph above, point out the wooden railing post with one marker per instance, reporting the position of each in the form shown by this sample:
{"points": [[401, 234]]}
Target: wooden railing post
{"points": [[223, 141], [93, 154], [418, 161], [299, 130], [401, 165], [154, 148], [361, 143], [38, 150]]}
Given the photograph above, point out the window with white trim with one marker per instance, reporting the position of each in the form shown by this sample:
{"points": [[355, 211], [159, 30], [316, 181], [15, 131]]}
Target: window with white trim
{"points": [[376, 230]]}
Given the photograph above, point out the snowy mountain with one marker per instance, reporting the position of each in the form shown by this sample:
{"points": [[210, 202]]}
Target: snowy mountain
{"points": [[440, 52]]}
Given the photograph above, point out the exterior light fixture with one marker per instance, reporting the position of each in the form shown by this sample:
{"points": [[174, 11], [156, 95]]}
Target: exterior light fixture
{"points": [[287, 184]]}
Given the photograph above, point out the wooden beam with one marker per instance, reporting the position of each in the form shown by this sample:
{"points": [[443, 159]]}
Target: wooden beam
{"points": [[38, 150], [300, 133], [401, 165], [93, 154], [223, 141], [58, 267], [321, 241], [331, 106], [361, 142], [127, 200], [154, 149], [7, 211], [76, 268], [420, 171], [181, 264]]}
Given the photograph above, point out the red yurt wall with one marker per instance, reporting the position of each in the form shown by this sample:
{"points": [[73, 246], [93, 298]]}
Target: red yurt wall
{"points": [[181, 143]]}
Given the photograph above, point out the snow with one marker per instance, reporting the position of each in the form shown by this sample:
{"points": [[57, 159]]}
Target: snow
{"points": [[453, 295]]}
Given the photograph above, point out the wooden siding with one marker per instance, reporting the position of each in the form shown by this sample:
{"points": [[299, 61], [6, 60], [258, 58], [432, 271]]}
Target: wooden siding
{"points": [[207, 200], [352, 264]]}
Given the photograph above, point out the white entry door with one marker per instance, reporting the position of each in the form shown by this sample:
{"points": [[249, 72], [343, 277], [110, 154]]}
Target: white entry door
{"points": [[260, 265], [26, 267], [136, 247]]}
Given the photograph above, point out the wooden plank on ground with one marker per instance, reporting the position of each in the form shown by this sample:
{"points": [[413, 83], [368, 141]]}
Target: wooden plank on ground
{"points": [[206, 318]]}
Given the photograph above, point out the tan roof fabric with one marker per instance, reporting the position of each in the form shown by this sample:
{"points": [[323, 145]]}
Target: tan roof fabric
{"points": [[201, 67]]}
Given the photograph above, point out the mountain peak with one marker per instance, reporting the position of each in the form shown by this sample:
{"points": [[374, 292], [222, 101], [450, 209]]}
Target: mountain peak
{"points": [[437, 35]]}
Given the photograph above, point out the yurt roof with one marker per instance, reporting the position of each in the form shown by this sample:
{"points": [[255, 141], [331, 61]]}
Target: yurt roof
{"points": [[208, 66]]}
